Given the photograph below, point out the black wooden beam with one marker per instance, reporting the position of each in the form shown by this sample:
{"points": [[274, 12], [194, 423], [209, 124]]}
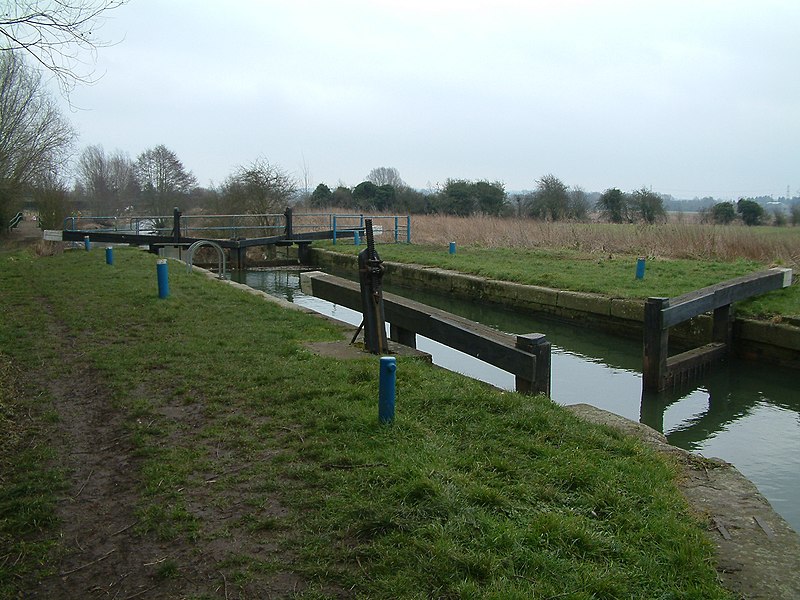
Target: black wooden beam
{"points": [[659, 369], [116, 237], [683, 308], [482, 342], [694, 358]]}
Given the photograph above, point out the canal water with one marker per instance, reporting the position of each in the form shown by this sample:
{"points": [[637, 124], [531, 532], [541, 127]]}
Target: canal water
{"points": [[744, 413]]}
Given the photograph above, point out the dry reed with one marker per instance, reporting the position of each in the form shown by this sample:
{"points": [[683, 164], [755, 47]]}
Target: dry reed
{"points": [[46, 248], [780, 246]]}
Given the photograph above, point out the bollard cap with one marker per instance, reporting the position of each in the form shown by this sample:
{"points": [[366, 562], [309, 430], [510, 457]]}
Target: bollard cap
{"points": [[161, 261]]}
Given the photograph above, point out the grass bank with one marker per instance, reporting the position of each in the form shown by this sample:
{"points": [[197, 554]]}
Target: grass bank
{"points": [[261, 464], [581, 271]]}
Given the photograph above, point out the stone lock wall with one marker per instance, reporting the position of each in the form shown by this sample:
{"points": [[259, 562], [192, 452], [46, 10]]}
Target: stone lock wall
{"points": [[777, 343]]}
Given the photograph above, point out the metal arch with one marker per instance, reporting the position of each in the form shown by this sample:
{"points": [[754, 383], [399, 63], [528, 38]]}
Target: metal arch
{"points": [[199, 243]]}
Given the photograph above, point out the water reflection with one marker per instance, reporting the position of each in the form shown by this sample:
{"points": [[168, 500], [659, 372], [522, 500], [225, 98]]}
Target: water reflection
{"points": [[744, 413]]}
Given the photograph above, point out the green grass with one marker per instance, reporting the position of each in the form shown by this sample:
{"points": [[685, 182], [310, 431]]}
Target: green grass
{"points": [[28, 486], [473, 492], [612, 275]]}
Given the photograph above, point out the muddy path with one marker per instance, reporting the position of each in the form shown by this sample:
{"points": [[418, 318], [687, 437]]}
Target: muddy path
{"points": [[103, 551]]}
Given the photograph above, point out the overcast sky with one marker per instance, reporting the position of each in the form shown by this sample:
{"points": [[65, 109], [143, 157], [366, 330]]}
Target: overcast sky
{"points": [[691, 98]]}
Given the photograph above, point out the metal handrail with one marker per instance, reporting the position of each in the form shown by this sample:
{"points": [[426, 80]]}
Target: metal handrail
{"points": [[194, 247], [139, 224]]}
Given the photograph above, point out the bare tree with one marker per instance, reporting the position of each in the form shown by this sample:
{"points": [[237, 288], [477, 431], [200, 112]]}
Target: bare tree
{"points": [[162, 178], [386, 176], [259, 188], [50, 196], [107, 180], [578, 204], [34, 137], [306, 193], [56, 33]]}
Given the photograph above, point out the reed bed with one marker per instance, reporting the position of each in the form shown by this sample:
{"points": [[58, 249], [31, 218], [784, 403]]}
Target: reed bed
{"points": [[768, 245]]}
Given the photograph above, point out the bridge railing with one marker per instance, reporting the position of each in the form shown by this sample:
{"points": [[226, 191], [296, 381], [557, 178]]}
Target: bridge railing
{"points": [[387, 228]]}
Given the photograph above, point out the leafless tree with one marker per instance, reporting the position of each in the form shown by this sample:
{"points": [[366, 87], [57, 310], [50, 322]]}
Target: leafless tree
{"points": [[306, 181], [162, 178], [386, 176], [51, 198], [107, 180], [34, 136], [259, 189], [57, 34]]}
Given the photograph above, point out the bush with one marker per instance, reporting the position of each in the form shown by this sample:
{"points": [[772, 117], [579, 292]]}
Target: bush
{"points": [[723, 213], [752, 212]]}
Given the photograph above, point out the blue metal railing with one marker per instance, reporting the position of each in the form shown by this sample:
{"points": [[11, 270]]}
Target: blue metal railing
{"points": [[394, 228]]}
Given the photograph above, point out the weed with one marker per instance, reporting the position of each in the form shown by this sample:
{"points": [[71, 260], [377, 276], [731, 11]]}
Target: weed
{"points": [[167, 570]]}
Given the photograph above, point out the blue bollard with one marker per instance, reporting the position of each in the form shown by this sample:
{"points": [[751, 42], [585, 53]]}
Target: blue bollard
{"points": [[640, 269], [109, 255], [387, 390], [163, 280], [356, 238], [452, 247], [87, 243]]}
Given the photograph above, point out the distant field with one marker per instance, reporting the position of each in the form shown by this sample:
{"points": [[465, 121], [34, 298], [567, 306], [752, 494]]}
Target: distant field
{"points": [[776, 246]]}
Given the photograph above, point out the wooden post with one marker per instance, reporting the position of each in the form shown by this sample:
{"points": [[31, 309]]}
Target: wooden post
{"points": [[241, 258], [721, 331], [402, 336], [656, 345], [176, 225], [536, 344], [288, 215], [303, 253]]}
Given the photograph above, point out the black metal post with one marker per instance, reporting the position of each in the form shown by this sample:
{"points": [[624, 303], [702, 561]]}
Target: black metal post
{"points": [[176, 225], [370, 275], [288, 216]]}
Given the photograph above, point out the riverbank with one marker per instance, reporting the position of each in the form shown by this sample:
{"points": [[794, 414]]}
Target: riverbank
{"points": [[197, 445], [757, 550], [775, 340]]}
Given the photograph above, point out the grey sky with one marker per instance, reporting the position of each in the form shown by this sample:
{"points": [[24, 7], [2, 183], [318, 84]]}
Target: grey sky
{"points": [[691, 98]]}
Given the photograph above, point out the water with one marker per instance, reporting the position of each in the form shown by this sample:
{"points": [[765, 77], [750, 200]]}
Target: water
{"points": [[747, 414]]}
